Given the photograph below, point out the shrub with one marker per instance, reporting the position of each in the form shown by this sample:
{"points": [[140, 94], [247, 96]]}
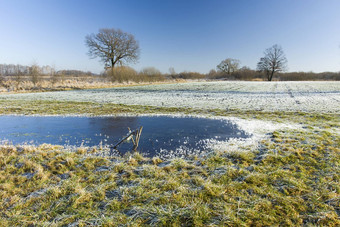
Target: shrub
{"points": [[120, 74], [188, 75], [150, 74]]}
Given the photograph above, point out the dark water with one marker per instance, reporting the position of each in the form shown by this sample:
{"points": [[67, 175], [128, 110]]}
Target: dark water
{"points": [[159, 133]]}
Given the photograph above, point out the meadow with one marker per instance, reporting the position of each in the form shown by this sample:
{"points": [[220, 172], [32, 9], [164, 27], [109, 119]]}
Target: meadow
{"points": [[287, 174], [318, 97]]}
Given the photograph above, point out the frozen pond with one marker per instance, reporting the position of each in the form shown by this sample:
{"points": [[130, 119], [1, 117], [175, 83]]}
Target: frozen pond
{"points": [[160, 134]]}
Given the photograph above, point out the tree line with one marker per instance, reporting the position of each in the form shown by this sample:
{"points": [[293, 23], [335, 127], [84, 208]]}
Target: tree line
{"points": [[15, 77], [116, 49], [228, 69]]}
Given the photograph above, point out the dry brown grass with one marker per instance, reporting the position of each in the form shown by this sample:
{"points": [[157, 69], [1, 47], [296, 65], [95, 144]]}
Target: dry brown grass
{"points": [[11, 86]]}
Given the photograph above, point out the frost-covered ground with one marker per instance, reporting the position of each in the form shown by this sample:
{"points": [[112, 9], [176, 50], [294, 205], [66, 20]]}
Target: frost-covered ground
{"points": [[286, 173], [320, 97], [256, 129]]}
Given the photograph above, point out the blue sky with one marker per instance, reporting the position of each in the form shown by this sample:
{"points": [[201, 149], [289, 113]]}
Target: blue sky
{"points": [[191, 35]]}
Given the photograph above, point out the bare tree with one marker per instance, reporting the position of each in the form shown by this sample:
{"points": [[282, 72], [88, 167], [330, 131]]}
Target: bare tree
{"points": [[113, 47], [35, 74], [121, 74], [229, 65], [53, 75], [18, 75], [2, 77], [150, 71], [172, 71], [274, 60], [151, 74], [212, 72]]}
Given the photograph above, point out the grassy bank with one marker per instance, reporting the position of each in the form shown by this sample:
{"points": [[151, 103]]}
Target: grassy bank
{"points": [[292, 178]]}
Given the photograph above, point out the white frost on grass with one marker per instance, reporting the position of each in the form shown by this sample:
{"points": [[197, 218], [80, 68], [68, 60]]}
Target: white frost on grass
{"points": [[258, 129], [318, 97], [311, 96]]}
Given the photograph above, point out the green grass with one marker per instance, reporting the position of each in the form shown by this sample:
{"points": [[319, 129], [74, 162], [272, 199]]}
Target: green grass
{"points": [[280, 184], [44, 107], [292, 178]]}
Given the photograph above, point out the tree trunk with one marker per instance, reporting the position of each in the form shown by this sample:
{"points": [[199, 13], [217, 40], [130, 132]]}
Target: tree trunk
{"points": [[271, 75], [112, 63]]}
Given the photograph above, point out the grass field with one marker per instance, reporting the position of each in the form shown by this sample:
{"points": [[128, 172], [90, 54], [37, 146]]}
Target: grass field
{"points": [[316, 97], [291, 177]]}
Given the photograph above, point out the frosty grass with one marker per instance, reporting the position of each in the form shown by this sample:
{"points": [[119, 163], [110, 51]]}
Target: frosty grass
{"points": [[315, 97]]}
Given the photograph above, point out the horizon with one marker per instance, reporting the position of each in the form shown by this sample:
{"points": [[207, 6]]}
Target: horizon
{"points": [[186, 35]]}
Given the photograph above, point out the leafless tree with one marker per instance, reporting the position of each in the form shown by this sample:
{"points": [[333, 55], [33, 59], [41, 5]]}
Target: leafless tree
{"points": [[274, 60], [172, 71], [150, 71], [35, 74], [53, 75], [121, 74], [19, 73], [229, 65], [151, 74], [2, 77], [113, 47], [213, 74]]}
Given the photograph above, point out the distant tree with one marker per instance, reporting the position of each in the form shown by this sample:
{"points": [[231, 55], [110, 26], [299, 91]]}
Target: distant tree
{"points": [[212, 73], [121, 74], [229, 65], [172, 71], [190, 75], [35, 74], [2, 78], [113, 47], [151, 74], [274, 61], [245, 68], [53, 75], [150, 71]]}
